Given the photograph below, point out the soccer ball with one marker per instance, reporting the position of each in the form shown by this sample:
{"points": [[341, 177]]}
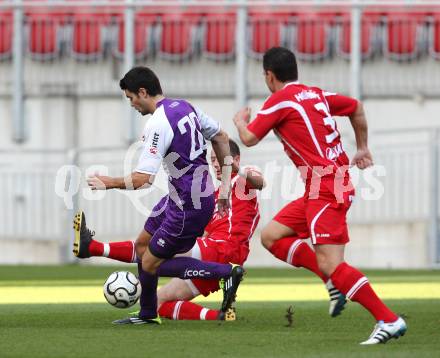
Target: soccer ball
{"points": [[122, 289]]}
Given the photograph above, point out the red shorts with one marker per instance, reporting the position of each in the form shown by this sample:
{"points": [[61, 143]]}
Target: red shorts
{"points": [[322, 220], [217, 251]]}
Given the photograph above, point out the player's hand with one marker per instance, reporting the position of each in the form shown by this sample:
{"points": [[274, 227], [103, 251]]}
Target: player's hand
{"points": [[223, 207], [242, 117], [362, 159], [99, 182]]}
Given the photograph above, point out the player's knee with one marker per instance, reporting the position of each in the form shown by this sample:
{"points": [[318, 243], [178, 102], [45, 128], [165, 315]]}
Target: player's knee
{"points": [[267, 238], [149, 267], [161, 297], [324, 268], [140, 247], [324, 264], [265, 242], [182, 293]]}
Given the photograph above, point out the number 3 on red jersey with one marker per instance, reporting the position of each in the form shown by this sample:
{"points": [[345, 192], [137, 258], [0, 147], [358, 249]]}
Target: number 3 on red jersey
{"points": [[328, 121]]}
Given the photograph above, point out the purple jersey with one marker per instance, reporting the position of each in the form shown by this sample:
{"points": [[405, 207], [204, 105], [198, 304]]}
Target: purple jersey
{"points": [[176, 135]]}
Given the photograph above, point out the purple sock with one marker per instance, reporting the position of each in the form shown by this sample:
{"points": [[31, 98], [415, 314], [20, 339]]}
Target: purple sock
{"points": [[188, 267], [148, 299]]}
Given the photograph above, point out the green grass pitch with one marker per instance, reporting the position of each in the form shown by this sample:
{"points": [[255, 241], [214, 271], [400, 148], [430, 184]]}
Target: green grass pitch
{"points": [[59, 311]]}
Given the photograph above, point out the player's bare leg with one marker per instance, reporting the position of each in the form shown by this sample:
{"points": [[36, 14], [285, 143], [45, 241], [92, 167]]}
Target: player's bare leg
{"points": [[175, 290], [284, 243], [142, 242], [355, 286], [329, 257]]}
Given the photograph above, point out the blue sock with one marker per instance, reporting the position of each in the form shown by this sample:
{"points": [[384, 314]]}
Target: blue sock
{"points": [[148, 299]]}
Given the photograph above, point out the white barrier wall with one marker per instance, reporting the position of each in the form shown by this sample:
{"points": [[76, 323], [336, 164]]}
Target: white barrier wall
{"points": [[384, 246], [101, 123], [371, 246], [102, 120]]}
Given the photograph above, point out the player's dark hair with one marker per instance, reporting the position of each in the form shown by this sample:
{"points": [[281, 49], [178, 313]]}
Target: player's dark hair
{"points": [[235, 149], [141, 77], [282, 62]]}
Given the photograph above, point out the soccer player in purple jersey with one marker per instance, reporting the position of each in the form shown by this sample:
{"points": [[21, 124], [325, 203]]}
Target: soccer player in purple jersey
{"points": [[176, 135]]}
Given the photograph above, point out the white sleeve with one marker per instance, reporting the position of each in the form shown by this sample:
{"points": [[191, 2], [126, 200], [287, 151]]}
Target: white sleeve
{"points": [[210, 127], [158, 138]]}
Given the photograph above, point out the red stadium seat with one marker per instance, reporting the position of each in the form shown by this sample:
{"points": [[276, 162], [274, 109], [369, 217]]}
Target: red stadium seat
{"points": [[6, 30], [143, 35], [369, 35], [45, 35], [177, 35], [404, 36], [88, 35], [266, 30], [434, 36], [312, 35], [219, 36]]}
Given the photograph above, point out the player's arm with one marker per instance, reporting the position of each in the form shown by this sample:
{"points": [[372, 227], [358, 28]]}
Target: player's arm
{"points": [[158, 139], [346, 106], [220, 144], [254, 179], [131, 182], [241, 121], [268, 118], [363, 158]]}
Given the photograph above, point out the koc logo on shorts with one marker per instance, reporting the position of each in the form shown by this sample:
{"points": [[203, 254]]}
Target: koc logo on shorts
{"points": [[196, 273]]}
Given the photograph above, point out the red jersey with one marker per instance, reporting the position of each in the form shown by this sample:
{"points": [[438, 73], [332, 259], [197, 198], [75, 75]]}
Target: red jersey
{"points": [[301, 117], [239, 225]]}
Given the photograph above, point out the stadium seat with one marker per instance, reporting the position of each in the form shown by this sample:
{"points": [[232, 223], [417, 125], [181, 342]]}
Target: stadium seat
{"points": [[177, 35], [405, 35], [266, 30], [44, 35], [434, 36], [89, 36], [6, 30], [369, 35], [143, 35], [311, 38], [218, 36]]}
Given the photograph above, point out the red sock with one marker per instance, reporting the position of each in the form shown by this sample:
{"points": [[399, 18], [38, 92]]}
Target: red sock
{"points": [[355, 286], [179, 310], [297, 253], [122, 251]]}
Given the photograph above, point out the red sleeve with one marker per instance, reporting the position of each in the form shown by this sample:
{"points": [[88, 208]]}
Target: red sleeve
{"points": [[340, 105], [243, 219], [268, 117]]}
